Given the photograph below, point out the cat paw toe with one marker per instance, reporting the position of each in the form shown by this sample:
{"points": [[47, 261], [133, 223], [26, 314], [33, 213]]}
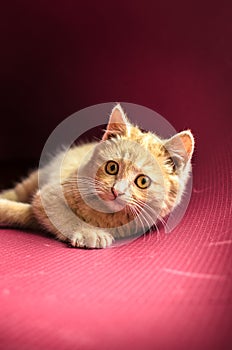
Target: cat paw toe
{"points": [[77, 240], [103, 240]]}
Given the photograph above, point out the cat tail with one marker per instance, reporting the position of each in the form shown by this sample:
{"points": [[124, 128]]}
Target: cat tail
{"points": [[17, 214], [23, 191]]}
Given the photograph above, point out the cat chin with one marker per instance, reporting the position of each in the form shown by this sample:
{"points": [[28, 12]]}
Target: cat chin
{"points": [[115, 205]]}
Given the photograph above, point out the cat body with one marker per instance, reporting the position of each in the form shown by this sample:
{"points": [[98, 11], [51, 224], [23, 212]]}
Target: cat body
{"points": [[99, 192]]}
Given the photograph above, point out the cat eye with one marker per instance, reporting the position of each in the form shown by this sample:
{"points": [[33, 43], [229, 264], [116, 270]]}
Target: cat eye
{"points": [[143, 181], [112, 167]]}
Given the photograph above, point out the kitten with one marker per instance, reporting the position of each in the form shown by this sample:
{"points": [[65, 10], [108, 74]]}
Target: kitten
{"points": [[101, 191]]}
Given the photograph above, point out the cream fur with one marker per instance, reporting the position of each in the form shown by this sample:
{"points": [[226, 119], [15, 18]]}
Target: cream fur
{"points": [[76, 200]]}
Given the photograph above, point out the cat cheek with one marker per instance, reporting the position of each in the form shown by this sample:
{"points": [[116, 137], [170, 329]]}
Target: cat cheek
{"points": [[103, 196]]}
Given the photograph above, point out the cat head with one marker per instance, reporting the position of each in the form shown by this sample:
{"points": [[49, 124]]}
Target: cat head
{"points": [[135, 169]]}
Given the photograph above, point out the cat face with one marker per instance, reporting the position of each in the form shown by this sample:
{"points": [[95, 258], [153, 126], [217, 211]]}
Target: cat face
{"points": [[131, 171], [129, 175]]}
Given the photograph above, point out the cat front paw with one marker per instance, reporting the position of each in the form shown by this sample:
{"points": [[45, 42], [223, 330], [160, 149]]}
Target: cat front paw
{"points": [[97, 239]]}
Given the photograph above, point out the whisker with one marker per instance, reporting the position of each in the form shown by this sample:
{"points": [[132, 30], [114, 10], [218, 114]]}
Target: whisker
{"points": [[140, 220], [153, 211], [145, 217], [149, 219]]}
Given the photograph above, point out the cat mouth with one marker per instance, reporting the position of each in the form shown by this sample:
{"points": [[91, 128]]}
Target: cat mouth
{"points": [[116, 204], [112, 199]]}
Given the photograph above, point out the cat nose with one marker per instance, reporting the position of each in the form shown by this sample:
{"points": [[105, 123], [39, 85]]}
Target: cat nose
{"points": [[116, 193], [120, 188]]}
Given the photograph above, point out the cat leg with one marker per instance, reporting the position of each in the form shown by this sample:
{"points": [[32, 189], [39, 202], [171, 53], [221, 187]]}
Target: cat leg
{"points": [[15, 214], [61, 221], [24, 190]]}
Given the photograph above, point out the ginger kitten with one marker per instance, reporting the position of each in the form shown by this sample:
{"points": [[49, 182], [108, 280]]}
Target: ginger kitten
{"points": [[103, 191]]}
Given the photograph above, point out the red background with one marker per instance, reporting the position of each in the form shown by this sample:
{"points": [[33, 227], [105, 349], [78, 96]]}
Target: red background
{"points": [[174, 57], [60, 56]]}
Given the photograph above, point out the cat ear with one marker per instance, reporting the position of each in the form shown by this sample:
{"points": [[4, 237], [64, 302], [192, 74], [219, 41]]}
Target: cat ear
{"points": [[180, 148], [117, 124]]}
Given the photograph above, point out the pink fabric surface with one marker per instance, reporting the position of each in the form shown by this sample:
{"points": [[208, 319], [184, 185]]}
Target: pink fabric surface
{"points": [[171, 291]]}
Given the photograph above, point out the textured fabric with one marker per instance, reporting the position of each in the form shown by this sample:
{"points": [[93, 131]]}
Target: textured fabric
{"points": [[158, 292]]}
